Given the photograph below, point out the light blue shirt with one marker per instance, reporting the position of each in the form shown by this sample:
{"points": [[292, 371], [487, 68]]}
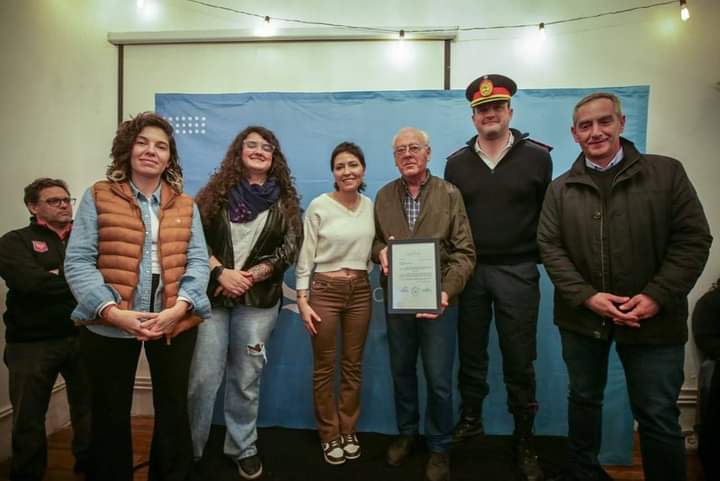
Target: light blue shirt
{"points": [[89, 287], [615, 161]]}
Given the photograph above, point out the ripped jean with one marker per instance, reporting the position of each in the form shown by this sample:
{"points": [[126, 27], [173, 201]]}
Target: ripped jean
{"points": [[231, 343]]}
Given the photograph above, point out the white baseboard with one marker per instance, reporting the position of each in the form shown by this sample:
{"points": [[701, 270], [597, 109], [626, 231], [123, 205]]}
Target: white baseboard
{"points": [[687, 402]]}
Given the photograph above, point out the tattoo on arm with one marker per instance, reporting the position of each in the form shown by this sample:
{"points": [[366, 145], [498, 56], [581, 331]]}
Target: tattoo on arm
{"points": [[261, 271]]}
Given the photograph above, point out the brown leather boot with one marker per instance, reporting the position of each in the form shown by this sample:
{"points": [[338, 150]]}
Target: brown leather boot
{"points": [[438, 467], [400, 449]]}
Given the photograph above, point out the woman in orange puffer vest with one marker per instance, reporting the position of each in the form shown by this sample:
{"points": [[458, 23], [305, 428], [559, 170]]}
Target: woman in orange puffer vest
{"points": [[137, 264]]}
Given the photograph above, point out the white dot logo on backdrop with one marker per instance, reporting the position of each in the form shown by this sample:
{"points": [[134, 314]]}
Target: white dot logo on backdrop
{"points": [[188, 124]]}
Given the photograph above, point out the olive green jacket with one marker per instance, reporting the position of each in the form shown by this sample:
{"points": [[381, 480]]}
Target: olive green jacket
{"points": [[442, 217]]}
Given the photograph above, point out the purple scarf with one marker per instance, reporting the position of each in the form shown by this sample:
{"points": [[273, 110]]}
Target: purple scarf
{"points": [[248, 200]]}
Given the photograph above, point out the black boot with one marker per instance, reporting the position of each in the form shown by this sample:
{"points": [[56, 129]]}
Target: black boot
{"points": [[525, 457], [469, 426]]}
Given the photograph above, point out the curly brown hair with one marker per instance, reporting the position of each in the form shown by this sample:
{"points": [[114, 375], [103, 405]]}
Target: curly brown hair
{"points": [[213, 197], [119, 169]]}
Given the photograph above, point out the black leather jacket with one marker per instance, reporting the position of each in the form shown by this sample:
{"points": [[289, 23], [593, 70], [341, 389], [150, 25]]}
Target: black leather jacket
{"points": [[278, 245]]}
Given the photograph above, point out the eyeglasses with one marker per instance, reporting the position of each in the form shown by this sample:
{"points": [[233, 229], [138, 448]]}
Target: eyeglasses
{"points": [[412, 148], [58, 201], [254, 144]]}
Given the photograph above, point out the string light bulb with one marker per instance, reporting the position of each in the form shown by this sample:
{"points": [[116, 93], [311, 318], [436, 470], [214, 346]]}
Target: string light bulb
{"points": [[265, 28], [684, 12], [541, 29]]}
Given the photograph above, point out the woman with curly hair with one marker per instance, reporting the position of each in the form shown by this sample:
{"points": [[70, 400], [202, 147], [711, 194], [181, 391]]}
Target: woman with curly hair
{"points": [[251, 216], [339, 231], [138, 266]]}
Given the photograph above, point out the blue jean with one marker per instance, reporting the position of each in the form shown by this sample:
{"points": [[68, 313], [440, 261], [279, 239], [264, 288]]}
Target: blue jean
{"points": [[232, 344], [654, 375], [511, 293], [435, 339]]}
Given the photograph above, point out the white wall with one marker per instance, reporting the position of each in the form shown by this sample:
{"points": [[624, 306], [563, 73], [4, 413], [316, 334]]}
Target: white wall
{"points": [[58, 78]]}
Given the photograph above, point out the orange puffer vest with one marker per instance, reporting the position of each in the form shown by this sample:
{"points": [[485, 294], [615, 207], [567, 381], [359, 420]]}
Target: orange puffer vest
{"points": [[121, 233]]}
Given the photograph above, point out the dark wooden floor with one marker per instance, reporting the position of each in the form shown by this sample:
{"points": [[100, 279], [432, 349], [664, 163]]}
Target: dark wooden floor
{"points": [[60, 460]]}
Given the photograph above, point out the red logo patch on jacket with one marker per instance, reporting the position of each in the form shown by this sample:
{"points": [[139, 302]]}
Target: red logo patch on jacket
{"points": [[40, 246]]}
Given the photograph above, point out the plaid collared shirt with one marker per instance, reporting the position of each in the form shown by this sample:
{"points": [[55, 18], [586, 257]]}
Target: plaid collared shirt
{"points": [[412, 204]]}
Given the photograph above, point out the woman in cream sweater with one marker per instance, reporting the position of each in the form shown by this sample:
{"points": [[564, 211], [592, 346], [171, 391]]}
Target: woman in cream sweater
{"points": [[338, 234]]}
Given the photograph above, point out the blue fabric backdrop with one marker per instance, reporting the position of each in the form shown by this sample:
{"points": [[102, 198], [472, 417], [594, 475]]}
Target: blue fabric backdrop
{"points": [[309, 125]]}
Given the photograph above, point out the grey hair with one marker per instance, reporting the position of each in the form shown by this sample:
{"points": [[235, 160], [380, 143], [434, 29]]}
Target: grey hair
{"points": [[599, 95], [425, 137]]}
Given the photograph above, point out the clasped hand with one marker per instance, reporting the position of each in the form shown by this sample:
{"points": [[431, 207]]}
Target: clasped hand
{"points": [[623, 310]]}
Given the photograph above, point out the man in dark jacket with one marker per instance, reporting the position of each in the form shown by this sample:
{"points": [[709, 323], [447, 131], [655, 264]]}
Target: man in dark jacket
{"points": [[624, 238], [41, 340], [502, 175]]}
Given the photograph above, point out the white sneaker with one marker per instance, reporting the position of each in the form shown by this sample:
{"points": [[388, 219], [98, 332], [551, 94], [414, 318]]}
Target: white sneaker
{"points": [[333, 452], [351, 446]]}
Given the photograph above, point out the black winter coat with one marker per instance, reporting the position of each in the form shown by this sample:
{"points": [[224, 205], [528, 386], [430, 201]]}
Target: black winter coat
{"points": [[659, 242]]}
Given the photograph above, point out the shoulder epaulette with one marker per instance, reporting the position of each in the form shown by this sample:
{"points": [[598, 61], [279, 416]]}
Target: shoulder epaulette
{"points": [[539, 144], [458, 151]]}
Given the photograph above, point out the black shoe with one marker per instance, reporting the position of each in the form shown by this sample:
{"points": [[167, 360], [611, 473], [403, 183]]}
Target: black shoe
{"points": [[438, 467], [250, 468], [526, 460], [469, 426], [400, 449]]}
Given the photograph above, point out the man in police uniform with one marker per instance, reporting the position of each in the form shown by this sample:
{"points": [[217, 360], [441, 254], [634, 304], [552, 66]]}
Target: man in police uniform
{"points": [[502, 175]]}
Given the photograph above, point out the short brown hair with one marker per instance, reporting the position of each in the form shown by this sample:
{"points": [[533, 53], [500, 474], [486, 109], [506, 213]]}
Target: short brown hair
{"points": [[32, 190], [599, 95]]}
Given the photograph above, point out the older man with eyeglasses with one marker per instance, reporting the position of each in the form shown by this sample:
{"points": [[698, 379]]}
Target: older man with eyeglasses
{"points": [[419, 205], [41, 340]]}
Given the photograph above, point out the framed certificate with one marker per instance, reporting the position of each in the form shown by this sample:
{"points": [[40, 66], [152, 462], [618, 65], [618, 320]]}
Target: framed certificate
{"points": [[414, 276]]}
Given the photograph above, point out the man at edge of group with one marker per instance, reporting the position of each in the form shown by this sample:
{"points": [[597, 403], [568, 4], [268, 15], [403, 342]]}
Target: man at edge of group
{"points": [[502, 175], [41, 339], [624, 238]]}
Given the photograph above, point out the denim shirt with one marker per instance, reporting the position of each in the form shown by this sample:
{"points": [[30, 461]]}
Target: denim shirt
{"points": [[89, 287]]}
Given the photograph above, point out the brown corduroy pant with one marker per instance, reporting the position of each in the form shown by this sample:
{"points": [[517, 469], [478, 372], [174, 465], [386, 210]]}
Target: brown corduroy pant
{"points": [[345, 302]]}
